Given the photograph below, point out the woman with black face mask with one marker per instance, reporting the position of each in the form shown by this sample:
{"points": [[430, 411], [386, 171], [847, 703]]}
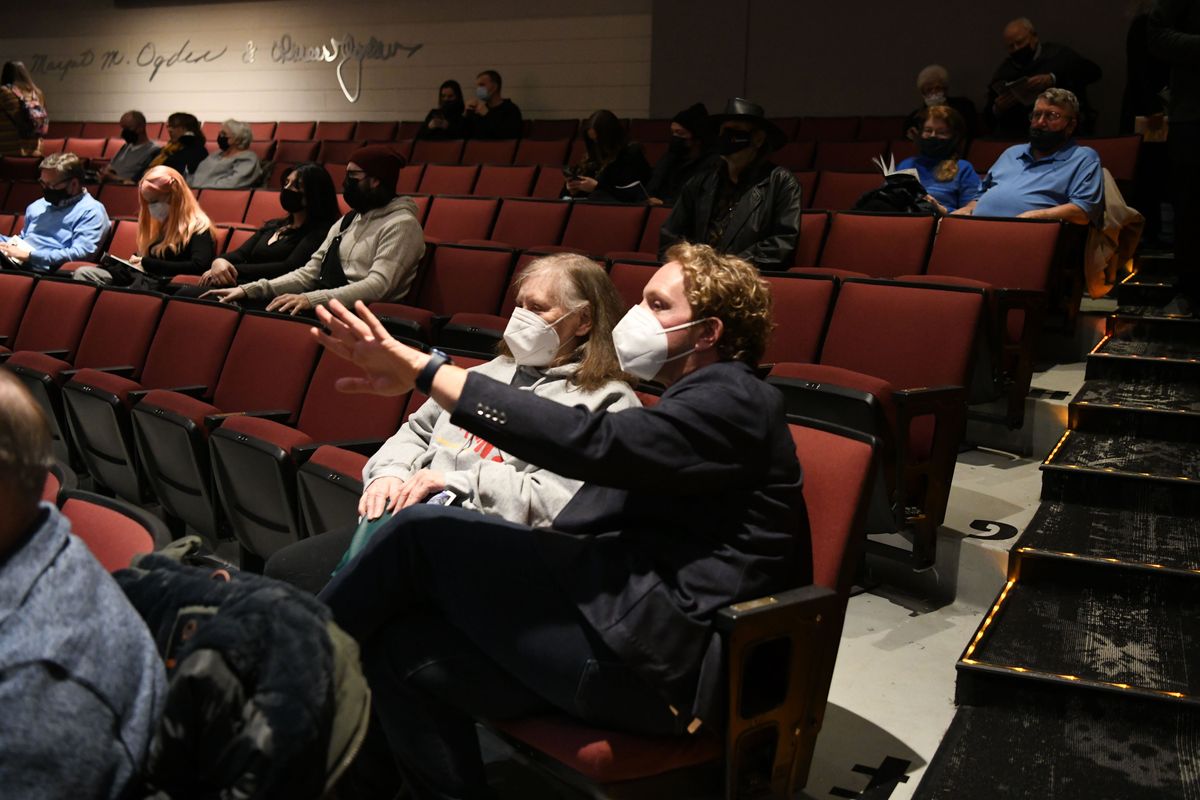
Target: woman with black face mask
{"points": [[286, 243], [613, 169], [446, 120], [234, 165], [689, 153], [951, 181]]}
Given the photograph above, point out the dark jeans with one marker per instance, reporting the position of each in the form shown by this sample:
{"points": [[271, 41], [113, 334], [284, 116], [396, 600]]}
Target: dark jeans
{"points": [[308, 563], [459, 618], [1184, 143]]}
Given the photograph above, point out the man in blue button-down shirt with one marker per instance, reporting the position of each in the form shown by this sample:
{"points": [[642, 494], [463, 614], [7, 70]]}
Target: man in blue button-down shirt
{"points": [[67, 224], [1052, 177]]}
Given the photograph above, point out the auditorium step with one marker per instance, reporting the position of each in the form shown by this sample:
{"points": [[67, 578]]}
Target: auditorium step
{"points": [[1137, 536], [1147, 287], [1064, 623], [1152, 408], [1133, 353], [1085, 465], [1056, 743]]}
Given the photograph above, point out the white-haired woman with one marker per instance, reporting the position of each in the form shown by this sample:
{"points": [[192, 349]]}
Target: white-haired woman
{"points": [[234, 165], [933, 82]]}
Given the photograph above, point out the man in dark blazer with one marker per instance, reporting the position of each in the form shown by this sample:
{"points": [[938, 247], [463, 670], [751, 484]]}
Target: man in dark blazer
{"points": [[743, 205], [687, 506]]}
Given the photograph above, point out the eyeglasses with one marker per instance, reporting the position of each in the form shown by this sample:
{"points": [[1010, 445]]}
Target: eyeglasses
{"points": [[356, 175], [1049, 116], [54, 185]]}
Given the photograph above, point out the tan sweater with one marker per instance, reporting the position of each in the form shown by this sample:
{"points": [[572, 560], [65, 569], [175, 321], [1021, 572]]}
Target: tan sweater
{"points": [[380, 252]]}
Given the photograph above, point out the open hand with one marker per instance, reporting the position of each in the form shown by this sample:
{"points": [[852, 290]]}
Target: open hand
{"points": [[389, 367]]}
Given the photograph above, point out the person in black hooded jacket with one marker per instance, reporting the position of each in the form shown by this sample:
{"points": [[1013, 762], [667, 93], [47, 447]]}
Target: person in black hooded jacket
{"points": [[446, 121], [744, 205], [689, 153]]}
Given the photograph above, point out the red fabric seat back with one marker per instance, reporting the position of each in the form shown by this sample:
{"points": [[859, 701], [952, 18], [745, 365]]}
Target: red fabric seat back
{"points": [[650, 130], [652, 232], [100, 130], [902, 149], [449, 179], [123, 243], [261, 131], [329, 415], [549, 184], [15, 290], [828, 129], [529, 223], [1009, 254], [795, 155], [19, 168], [63, 129], [837, 470], [86, 148], [839, 191], [337, 151], [813, 225], [189, 345], [453, 219], [598, 229], [881, 127], [297, 131], [533, 151], [263, 148], [849, 156], [409, 178], [334, 131], [504, 181], [55, 317], [908, 336], [113, 537], [237, 237], [224, 205], [291, 153], [263, 206], [375, 131], [268, 366], [800, 306], [489, 151], [983, 153], [54, 145], [881, 245], [808, 186], [630, 280], [433, 151], [465, 279], [119, 200], [543, 129], [1118, 154], [119, 330], [7, 221], [21, 195]]}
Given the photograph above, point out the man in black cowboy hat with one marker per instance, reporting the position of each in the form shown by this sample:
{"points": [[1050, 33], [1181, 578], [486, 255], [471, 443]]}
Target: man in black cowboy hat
{"points": [[745, 205]]}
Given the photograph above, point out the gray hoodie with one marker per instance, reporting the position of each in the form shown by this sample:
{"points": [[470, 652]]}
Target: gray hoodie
{"points": [[483, 477]]}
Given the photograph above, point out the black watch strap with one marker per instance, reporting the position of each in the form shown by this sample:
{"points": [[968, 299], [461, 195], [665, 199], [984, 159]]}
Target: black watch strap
{"points": [[437, 360]]}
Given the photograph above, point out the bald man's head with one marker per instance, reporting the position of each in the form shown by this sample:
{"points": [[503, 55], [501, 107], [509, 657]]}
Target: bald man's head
{"points": [[25, 456]]}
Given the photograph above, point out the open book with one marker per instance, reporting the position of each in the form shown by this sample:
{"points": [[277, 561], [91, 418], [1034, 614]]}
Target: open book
{"points": [[1019, 89], [887, 165]]}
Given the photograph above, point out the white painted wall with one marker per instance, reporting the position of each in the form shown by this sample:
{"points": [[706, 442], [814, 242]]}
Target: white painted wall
{"points": [[557, 59]]}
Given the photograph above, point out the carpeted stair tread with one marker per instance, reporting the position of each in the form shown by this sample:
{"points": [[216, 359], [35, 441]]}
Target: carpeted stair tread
{"points": [[1066, 745], [1149, 311], [1127, 454], [1176, 349], [1133, 628], [1181, 397], [1140, 535]]}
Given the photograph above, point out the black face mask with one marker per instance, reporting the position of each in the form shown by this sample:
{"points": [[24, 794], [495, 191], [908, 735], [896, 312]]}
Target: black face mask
{"points": [[731, 142], [679, 146], [1024, 56], [934, 147], [129, 136], [223, 142], [292, 200], [452, 108], [1045, 140], [55, 196], [361, 198]]}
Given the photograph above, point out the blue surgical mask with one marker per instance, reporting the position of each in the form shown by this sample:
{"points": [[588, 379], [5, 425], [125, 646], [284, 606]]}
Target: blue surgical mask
{"points": [[482, 93]]}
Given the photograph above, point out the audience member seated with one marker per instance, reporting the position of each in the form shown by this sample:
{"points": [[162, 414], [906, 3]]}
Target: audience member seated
{"points": [[690, 152], [491, 115], [558, 345], [234, 165], [185, 149], [285, 244], [1031, 68], [174, 236], [1052, 177], [933, 83], [613, 169], [446, 121], [370, 254], [744, 205], [81, 681], [134, 157], [951, 181], [65, 224], [18, 131], [685, 507]]}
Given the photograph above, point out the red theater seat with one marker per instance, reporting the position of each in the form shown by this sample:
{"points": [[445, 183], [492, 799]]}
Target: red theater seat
{"points": [[522, 224], [294, 131], [448, 179], [337, 151], [54, 319], [598, 228], [795, 155], [292, 153], [410, 178], [543, 129], [86, 148], [487, 151], [849, 156], [263, 206], [336, 131], [828, 129], [880, 245], [630, 279], [800, 308], [838, 191], [100, 130], [226, 206], [504, 181], [454, 219], [120, 200], [15, 289], [533, 151], [433, 151], [114, 531], [983, 153], [375, 131]]}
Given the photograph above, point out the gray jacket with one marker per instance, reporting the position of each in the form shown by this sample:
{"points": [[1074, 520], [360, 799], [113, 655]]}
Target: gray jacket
{"points": [[484, 477], [239, 171], [81, 683]]}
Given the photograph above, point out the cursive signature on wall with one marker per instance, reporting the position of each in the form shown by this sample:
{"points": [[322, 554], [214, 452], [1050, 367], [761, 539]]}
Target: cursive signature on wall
{"points": [[285, 50], [149, 57]]}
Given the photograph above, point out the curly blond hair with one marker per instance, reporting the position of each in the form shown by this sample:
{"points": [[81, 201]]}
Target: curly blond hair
{"points": [[731, 290]]}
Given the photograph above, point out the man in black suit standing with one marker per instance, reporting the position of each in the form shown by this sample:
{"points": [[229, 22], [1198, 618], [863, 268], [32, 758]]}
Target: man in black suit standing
{"points": [[686, 507], [1032, 67]]}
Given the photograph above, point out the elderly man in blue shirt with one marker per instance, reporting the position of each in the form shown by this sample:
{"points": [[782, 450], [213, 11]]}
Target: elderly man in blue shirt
{"points": [[1052, 177], [66, 224]]}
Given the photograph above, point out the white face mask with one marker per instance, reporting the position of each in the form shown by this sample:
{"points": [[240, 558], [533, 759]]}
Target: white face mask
{"points": [[159, 210], [532, 340], [935, 99], [641, 343]]}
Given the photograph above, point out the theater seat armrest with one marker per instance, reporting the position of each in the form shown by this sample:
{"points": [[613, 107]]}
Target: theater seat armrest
{"points": [[124, 370], [3, 340], [364, 447], [279, 415], [55, 353], [773, 613], [198, 391], [928, 400]]}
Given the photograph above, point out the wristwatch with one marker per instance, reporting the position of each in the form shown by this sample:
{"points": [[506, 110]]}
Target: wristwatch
{"points": [[437, 360]]}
